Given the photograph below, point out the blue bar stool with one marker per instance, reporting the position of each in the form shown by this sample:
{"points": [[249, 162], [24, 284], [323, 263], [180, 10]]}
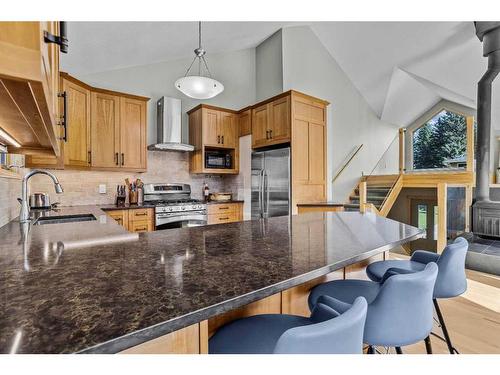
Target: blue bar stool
{"points": [[451, 280], [326, 331], [399, 307]]}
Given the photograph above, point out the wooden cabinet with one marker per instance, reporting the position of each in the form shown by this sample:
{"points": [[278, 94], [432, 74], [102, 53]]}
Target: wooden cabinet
{"points": [[213, 129], [133, 133], [219, 213], [29, 86], [76, 149], [135, 219], [245, 122], [120, 216], [271, 122], [105, 130], [308, 149]]}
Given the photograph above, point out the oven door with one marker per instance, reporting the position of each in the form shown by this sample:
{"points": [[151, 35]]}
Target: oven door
{"points": [[171, 220]]}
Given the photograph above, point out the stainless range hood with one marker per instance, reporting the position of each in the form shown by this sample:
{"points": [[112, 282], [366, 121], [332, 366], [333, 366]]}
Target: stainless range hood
{"points": [[169, 126]]}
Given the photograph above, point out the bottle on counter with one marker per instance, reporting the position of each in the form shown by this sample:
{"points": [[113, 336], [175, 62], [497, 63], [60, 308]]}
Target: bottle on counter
{"points": [[206, 191]]}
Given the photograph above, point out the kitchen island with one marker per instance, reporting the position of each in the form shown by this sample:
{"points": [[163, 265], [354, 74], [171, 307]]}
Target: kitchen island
{"points": [[174, 285]]}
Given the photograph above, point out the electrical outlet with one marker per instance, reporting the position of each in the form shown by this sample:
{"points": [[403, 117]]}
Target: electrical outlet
{"points": [[102, 188]]}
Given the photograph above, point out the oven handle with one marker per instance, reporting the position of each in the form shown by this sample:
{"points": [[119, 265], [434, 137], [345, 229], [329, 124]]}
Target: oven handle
{"points": [[160, 219]]}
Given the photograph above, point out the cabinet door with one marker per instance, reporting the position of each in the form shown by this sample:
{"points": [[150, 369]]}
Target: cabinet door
{"points": [[132, 133], [77, 146], [104, 130], [280, 119], [245, 123], [300, 151], [228, 131], [210, 123], [260, 125], [316, 153]]}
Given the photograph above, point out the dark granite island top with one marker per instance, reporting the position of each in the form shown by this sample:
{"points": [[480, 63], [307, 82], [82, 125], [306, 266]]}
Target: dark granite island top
{"points": [[111, 296]]}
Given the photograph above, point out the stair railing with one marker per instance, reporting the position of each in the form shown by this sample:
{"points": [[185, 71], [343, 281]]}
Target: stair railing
{"points": [[348, 161]]}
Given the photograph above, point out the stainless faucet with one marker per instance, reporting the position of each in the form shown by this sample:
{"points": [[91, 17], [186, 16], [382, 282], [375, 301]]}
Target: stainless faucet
{"points": [[24, 215]]}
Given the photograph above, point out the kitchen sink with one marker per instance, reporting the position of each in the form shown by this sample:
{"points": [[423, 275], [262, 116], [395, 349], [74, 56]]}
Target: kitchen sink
{"points": [[64, 219]]}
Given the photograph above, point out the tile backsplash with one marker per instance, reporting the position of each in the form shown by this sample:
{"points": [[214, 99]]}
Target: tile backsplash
{"points": [[9, 206], [82, 187]]}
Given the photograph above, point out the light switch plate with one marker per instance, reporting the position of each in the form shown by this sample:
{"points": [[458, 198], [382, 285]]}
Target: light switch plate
{"points": [[102, 188]]}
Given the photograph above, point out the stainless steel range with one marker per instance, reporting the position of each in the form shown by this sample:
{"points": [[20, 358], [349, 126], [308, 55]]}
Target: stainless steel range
{"points": [[174, 207]]}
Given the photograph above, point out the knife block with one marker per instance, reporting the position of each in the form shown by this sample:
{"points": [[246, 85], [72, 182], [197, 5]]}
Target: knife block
{"points": [[132, 197]]}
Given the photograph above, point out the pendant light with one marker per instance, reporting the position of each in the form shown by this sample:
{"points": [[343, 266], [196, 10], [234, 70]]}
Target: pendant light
{"points": [[199, 86]]}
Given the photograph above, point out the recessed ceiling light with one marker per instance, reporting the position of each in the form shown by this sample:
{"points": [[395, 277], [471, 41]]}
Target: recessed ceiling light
{"points": [[4, 135]]}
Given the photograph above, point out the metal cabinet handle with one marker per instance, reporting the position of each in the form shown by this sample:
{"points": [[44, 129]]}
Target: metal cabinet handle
{"points": [[123, 159], [224, 208], [270, 134], [143, 214], [89, 157], [64, 121], [61, 40], [116, 158], [223, 218], [218, 139], [141, 228], [222, 139]]}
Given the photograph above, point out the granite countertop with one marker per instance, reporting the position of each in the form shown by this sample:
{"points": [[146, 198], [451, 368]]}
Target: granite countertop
{"points": [[60, 295], [325, 203]]}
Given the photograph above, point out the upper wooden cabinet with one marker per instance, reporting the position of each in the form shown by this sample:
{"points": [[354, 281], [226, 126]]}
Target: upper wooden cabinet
{"points": [[271, 122], [245, 122], [211, 129], [105, 130], [29, 86]]}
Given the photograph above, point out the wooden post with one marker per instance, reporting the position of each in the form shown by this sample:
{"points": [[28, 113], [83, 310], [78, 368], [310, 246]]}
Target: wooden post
{"points": [[470, 144], [442, 188], [402, 150], [362, 196]]}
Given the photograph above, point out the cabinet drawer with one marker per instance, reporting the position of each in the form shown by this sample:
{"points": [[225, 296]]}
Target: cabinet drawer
{"points": [[229, 217], [141, 214], [140, 226], [222, 208], [120, 216]]}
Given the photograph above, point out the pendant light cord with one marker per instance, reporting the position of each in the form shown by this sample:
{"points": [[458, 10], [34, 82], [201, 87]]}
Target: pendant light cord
{"points": [[200, 58]]}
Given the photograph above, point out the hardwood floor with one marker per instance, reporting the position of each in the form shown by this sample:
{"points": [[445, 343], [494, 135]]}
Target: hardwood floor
{"points": [[473, 319]]}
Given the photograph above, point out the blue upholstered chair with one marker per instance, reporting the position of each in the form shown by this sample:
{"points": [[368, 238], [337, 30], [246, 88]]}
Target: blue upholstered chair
{"points": [[325, 331], [451, 280], [399, 306]]}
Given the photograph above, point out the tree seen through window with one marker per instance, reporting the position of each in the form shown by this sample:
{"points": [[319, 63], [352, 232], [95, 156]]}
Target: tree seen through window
{"points": [[441, 142]]}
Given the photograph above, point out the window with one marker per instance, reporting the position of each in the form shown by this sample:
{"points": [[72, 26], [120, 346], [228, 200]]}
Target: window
{"points": [[441, 143]]}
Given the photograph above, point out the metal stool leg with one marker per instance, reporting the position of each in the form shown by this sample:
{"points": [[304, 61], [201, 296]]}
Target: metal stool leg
{"points": [[445, 330], [428, 346], [398, 350]]}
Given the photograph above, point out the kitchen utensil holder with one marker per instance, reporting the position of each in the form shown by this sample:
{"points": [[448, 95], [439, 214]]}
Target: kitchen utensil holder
{"points": [[132, 196]]}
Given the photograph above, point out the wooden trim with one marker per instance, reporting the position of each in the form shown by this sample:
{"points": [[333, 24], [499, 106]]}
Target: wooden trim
{"points": [[70, 78], [371, 207], [392, 197], [402, 132], [213, 107], [362, 196], [470, 144], [432, 179], [442, 209], [204, 337]]}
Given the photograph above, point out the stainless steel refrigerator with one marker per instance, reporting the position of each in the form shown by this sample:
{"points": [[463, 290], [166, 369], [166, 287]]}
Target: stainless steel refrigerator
{"points": [[270, 183]]}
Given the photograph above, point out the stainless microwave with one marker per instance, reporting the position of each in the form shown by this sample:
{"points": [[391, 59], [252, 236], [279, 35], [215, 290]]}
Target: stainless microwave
{"points": [[218, 160]]}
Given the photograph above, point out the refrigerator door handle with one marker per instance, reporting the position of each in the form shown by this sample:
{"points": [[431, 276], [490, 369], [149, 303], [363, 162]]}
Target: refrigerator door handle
{"points": [[265, 193], [261, 192]]}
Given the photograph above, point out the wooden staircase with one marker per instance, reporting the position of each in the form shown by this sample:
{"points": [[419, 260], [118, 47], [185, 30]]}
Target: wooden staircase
{"points": [[381, 193]]}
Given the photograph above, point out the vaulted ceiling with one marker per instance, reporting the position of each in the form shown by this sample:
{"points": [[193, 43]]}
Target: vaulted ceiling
{"points": [[400, 68]]}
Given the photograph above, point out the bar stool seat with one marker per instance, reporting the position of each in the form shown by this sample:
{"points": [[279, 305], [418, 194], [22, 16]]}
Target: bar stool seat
{"points": [[345, 291], [376, 270], [325, 331]]}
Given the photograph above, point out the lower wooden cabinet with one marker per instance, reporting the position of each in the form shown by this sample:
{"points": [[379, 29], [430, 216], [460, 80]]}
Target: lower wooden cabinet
{"points": [[219, 213], [135, 219]]}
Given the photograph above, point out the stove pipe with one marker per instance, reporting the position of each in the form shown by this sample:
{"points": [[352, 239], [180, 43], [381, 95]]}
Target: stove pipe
{"points": [[489, 34], [485, 213]]}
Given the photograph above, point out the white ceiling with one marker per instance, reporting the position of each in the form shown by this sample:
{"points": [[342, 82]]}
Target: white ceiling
{"points": [[400, 68]]}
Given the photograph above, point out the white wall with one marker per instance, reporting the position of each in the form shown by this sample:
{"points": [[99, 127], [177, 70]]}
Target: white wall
{"points": [[269, 67], [236, 71], [309, 67]]}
